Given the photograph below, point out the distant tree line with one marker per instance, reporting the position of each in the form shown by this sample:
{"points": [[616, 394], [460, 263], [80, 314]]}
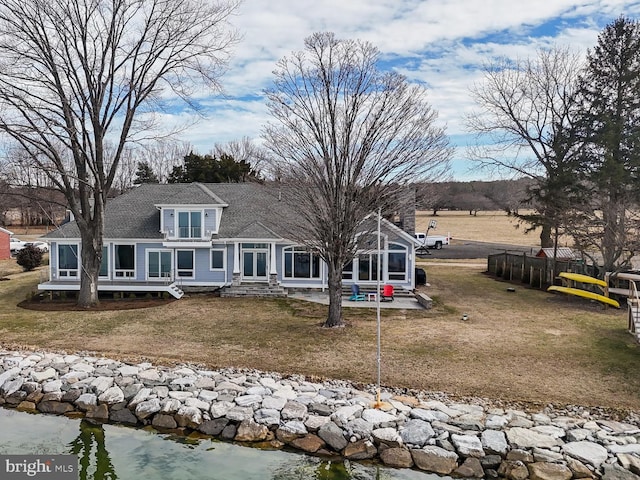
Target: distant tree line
{"points": [[475, 196]]}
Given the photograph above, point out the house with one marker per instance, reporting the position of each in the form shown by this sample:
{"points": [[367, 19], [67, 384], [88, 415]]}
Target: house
{"points": [[5, 240], [204, 237]]}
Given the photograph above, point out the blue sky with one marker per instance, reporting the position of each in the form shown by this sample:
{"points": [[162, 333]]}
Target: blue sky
{"points": [[440, 43]]}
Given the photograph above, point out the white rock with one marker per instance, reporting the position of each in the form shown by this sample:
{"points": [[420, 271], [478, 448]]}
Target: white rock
{"points": [[630, 448], [112, 395], [182, 396], [295, 426], [587, 452], [82, 367], [267, 416], [527, 438], [239, 414], [74, 377], [36, 376], [150, 375], [229, 387], [314, 422], [141, 396], [437, 405], [147, 408], [71, 359], [52, 386], [170, 405], [494, 441], [555, 432], [468, 445], [346, 413], [248, 400], [286, 392], [220, 409], [377, 416], [186, 372], [196, 403], [269, 383], [128, 370], [86, 400], [387, 435], [207, 395], [102, 383], [262, 391], [274, 403], [11, 386], [496, 422]]}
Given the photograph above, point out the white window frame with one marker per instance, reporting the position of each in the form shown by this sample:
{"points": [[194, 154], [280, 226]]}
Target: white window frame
{"points": [[299, 249], [189, 211], [108, 260], [121, 273], [146, 263], [404, 250], [193, 268], [224, 260], [65, 273]]}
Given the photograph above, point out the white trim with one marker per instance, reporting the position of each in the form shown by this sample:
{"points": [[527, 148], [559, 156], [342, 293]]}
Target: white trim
{"points": [[78, 262], [106, 245], [146, 264], [135, 261], [176, 223], [193, 269], [6, 231], [292, 250], [224, 259]]}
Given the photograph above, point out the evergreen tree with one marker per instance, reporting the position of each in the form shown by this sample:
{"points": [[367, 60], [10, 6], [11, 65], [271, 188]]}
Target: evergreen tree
{"points": [[145, 174], [209, 169], [610, 126]]}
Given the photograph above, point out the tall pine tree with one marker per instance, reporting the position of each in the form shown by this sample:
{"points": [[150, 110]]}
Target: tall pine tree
{"points": [[610, 125]]}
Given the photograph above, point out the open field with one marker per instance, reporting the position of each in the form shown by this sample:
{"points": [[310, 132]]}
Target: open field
{"points": [[490, 226], [524, 346]]}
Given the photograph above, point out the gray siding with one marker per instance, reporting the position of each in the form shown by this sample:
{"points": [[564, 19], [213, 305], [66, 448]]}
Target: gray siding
{"points": [[210, 221], [168, 221]]}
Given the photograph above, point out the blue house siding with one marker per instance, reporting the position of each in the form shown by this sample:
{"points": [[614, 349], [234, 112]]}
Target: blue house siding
{"points": [[168, 222], [210, 221]]}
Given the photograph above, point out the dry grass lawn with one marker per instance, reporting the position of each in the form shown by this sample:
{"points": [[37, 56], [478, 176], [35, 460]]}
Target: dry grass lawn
{"points": [[490, 226], [524, 346]]}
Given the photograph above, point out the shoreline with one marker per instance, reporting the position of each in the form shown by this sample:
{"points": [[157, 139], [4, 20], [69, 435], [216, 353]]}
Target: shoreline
{"points": [[428, 431]]}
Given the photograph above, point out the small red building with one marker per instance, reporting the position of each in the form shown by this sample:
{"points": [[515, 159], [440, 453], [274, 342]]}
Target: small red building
{"points": [[5, 238]]}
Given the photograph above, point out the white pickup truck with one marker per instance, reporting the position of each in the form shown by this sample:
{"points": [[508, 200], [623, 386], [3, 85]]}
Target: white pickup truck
{"points": [[432, 241]]}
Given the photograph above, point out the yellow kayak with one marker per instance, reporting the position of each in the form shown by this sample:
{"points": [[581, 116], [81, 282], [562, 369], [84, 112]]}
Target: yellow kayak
{"points": [[578, 277], [584, 294]]}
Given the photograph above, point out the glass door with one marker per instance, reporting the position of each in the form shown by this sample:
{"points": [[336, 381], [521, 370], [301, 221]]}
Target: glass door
{"points": [[254, 264], [158, 264]]}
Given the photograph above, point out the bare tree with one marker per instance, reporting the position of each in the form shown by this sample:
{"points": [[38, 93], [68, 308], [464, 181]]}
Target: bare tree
{"points": [[164, 154], [246, 150], [345, 134], [527, 109], [76, 74]]}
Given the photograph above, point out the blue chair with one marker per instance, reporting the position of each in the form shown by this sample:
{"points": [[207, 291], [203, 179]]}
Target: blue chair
{"points": [[356, 296]]}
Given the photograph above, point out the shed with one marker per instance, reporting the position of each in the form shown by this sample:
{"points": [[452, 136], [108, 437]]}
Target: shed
{"points": [[562, 253], [5, 240]]}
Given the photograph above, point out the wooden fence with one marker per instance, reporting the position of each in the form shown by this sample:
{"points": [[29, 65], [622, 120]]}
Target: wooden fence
{"points": [[537, 272]]}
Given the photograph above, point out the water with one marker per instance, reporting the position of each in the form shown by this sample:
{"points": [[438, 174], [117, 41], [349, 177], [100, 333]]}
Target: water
{"points": [[112, 452]]}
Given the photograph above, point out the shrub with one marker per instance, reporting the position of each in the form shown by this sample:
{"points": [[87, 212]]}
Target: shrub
{"points": [[29, 258]]}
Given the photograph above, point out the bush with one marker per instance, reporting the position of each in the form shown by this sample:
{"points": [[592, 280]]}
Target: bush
{"points": [[29, 258]]}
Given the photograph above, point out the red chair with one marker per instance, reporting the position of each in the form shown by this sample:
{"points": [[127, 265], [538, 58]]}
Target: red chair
{"points": [[387, 293]]}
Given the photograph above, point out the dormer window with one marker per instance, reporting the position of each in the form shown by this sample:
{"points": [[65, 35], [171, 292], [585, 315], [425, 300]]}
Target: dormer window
{"points": [[190, 224]]}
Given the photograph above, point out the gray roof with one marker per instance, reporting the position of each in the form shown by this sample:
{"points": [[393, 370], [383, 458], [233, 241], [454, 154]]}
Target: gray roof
{"points": [[253, 211]]}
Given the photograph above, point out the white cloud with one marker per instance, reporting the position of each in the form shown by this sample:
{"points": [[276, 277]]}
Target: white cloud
{"points": [[442, 43]]}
